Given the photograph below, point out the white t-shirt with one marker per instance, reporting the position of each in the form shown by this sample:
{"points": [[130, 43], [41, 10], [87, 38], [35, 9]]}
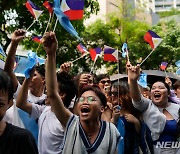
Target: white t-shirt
{"points": [[51, 132], [12, 115]]}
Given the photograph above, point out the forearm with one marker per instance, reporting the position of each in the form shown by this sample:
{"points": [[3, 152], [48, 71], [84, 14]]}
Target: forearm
{"points": [[52, 91], [21, 100], [51, 79], [134, 90], [9, 64]]}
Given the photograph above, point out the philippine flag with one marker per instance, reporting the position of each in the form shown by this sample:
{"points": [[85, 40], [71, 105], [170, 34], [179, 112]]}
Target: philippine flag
{"points": [[74, 9], [163, 65], [81, 48], [49, 6], [152, 38], [95, 53], [110, 54], [34, 10], [37, 39]]}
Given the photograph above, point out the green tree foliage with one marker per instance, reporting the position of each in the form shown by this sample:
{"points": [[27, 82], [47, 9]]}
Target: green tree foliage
{"points": [[114, 33], [117, 31], [14, 15]]}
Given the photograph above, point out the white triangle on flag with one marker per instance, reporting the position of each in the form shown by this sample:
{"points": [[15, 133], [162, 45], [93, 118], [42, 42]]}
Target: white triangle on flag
{"points": [[64, 7], [115, 54], [37, 13], [156, 41]]}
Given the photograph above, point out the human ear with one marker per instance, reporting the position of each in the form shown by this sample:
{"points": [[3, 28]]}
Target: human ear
{"points": [[102, 109]]}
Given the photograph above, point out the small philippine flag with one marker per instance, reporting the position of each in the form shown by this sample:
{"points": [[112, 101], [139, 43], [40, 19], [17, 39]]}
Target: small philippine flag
{"points": [[33, 9], [110, 54], [163, 65], [152, 38], [94, 53], [82, 48]]}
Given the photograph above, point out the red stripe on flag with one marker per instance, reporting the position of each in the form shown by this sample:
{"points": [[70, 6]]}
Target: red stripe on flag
{"points": [[74, 14], [148, 38], [30, 9], [109, 57]]}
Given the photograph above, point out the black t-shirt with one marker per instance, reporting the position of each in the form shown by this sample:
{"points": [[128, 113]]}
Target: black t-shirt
{"points": [[15, 140]]}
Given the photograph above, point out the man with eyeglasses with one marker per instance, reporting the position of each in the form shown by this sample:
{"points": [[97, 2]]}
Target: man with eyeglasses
{"points": [[104, 83]]}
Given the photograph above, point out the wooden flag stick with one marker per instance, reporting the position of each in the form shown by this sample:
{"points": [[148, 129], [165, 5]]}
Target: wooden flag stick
{"points": [[31, 25], [165, 73], [94, 63], [127, 54], [79, 58], [48, 23], [146, 57], [55, 25], [118, 77]]}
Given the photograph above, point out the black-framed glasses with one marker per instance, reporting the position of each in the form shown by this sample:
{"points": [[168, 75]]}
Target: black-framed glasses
{"points": [[104, 81], [89, 99], [114, 93]]}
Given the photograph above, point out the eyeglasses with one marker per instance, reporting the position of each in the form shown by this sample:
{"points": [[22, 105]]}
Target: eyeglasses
{"points": [[89, 99], [114, 93], [104, 81]]}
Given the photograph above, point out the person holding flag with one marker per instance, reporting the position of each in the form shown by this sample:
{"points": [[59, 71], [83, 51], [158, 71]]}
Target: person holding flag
{"points": [[160, 115], [35, 92], [85, 133]]}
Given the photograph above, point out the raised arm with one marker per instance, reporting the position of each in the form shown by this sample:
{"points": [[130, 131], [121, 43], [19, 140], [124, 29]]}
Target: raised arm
{"points": [[21, 101], [16, 37], [50, 46], [133, 75]]}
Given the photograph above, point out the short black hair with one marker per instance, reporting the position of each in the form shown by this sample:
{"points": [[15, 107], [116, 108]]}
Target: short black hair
{"points": [[176, 85], [67, 86], [101, 76], [97, 91], [40, 69], [6, 84]]}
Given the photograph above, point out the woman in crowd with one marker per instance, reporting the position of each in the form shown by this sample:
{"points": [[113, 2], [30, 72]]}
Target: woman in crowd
{"points": [[160, 115], [85, 133], [126, 119]]}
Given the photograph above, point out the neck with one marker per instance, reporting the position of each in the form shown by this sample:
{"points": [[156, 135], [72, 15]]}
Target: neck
{"points": [[165, 105], [2, 127], [38, 92], [90, 127]]}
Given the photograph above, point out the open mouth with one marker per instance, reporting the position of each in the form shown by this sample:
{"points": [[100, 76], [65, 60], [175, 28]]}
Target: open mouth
{"points": [[157, 95], [85, 110]]}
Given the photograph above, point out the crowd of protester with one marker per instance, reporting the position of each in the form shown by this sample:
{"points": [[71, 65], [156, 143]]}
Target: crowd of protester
{"points": [[53, 112]]}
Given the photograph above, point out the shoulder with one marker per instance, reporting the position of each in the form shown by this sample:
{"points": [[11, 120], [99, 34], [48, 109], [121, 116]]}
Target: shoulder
{"points": [[112, 128], [18, 132], [73, 121]]}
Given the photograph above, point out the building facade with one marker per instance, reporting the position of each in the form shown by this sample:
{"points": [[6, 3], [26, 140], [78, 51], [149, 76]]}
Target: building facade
{"points": [[165, 5], [143, 10]]}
